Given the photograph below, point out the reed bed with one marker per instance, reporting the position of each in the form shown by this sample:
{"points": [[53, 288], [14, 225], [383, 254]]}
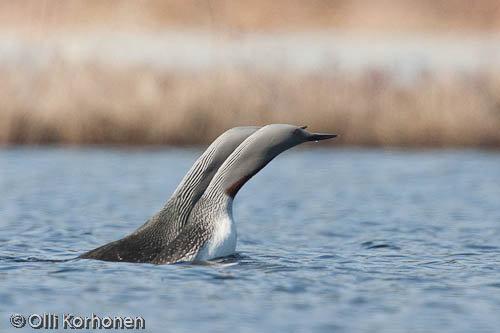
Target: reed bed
{"points": [[96, 104], [42, 16]]}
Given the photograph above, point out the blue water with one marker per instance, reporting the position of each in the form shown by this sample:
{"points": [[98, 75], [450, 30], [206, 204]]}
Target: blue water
{"points": [[328, 241]]}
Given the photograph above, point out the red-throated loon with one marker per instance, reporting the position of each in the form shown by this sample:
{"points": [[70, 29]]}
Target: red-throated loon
{"points": [[146, 243], [210, 231]]}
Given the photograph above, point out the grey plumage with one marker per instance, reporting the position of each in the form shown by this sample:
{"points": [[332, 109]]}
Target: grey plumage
{"points": [[146, 242], [196, 223], [209, 232]]}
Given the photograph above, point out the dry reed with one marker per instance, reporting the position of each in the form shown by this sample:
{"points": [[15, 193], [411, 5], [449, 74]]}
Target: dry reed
{"points": [[42, 16], [93, 104]]}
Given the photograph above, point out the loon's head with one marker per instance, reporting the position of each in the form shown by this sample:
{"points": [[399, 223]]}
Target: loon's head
{"points": [[259, 149], [280, 137]]}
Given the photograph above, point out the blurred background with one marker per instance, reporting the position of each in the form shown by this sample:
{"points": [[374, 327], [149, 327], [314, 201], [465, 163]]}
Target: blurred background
{"points": [[329, 240], [381, 73]]}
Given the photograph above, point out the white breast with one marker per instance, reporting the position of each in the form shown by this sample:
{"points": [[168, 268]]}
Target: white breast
{"points": [[223, 240]]}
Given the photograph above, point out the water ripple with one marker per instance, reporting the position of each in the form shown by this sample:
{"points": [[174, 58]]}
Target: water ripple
{"points": [[368, 241]]}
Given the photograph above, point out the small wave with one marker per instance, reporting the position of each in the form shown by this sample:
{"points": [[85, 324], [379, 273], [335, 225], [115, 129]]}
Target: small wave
{"points": [[370, 245], [31, 259]]}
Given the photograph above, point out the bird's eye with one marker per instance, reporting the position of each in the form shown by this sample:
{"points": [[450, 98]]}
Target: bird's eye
{"points": [[296, 132]]}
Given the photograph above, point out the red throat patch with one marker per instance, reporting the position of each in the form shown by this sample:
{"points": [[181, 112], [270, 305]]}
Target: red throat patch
{"points": [[233, 189]]}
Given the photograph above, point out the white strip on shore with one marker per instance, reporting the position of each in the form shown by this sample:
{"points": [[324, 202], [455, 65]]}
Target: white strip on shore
{"points": [[304, 51]]}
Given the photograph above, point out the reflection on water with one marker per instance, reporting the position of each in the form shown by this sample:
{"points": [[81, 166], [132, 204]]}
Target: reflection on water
{"points": [[329, 240]]}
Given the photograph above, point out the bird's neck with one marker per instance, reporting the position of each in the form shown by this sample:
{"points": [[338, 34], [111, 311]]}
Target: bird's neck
{"points": [[240, 166], [196, 180]]}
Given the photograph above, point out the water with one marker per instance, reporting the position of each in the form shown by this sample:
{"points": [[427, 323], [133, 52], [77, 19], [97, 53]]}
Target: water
{"points": [[329, 240]]}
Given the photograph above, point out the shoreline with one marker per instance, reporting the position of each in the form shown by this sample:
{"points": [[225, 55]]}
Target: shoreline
{"points": [[90, 104]]}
